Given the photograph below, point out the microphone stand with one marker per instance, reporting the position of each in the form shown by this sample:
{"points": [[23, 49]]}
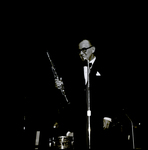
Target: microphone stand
{"points": [[132, 131], [88, 128]]}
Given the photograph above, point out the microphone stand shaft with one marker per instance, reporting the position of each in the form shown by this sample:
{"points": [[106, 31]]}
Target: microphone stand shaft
{"points": [[88, 109], [132, 126]]}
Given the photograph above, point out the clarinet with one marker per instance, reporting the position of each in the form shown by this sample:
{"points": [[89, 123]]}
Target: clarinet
{"points": [[61, 88]]}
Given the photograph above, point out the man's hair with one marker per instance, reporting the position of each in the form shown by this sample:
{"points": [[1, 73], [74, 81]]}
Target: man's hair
{"points": [[92, 42]]}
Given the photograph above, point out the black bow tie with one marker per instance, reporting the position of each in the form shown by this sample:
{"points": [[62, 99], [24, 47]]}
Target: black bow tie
{"points": [[85, 64], [90, 65]]}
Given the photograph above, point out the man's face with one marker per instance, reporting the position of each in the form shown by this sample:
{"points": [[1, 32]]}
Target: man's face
{"points": [[86, 53]]}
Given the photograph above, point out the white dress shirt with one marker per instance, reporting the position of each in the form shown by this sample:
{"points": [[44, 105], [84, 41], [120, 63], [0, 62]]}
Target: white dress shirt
{"points": [[85, 69]]}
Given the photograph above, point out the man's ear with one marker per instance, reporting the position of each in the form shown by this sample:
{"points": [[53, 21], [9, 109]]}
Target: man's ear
{"points": [[93, 49]]}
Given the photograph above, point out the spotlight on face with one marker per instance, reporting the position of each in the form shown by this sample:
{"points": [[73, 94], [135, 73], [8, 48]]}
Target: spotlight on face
{"points": [[86, 50]]}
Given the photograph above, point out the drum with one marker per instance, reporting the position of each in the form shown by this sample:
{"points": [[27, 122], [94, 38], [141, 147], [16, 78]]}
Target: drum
{"points": [[62, 142]]}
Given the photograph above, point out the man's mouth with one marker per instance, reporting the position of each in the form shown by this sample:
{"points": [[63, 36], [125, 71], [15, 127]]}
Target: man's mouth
{"points": [[82, 57]]}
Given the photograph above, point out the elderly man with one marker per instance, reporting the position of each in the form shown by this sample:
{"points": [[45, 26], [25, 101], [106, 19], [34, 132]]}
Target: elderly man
{"points": [[98, 119], [87, 54]]}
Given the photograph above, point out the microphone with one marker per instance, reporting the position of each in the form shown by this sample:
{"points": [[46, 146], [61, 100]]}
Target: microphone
{"points": [[83, 59]]}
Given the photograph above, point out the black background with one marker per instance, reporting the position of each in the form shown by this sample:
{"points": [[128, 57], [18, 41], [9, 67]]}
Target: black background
{"points": [[119, 41], [119, 47]]}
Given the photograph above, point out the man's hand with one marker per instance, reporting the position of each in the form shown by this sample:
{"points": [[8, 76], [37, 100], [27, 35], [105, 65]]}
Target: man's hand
{"points": [[106, 122], [58, 83]]}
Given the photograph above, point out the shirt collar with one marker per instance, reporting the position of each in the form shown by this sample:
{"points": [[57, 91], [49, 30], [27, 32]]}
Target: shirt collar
{"points": [[93, 60]]}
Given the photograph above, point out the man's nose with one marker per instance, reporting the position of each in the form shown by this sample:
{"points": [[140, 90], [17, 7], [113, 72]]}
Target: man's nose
{"points": [[83, 52]]}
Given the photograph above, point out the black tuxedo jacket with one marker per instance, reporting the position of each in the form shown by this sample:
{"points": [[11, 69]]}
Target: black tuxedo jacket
{"points": [[101, 97], [104, 103], [76, 92]]}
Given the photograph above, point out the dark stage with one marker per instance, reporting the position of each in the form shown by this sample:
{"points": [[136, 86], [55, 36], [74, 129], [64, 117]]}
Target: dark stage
{"points": [[39, 105]]}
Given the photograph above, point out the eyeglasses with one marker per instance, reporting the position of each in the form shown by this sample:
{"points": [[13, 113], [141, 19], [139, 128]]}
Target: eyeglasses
{"points": [[85, 49]]}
